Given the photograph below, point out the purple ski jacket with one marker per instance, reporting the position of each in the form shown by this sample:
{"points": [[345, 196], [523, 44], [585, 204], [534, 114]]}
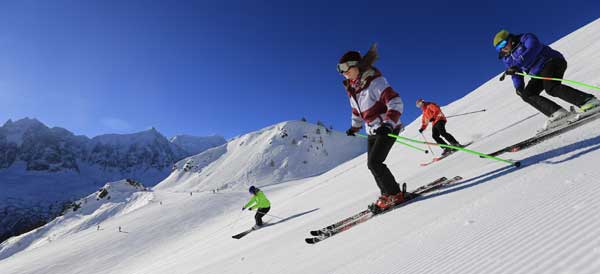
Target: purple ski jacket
{"points": [[530, 56]]}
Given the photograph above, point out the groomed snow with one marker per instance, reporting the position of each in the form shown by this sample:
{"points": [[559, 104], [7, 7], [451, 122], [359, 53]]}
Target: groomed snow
{"points": [[540, 218]]}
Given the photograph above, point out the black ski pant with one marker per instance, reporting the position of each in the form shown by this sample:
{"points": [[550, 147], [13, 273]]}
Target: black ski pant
{"points": [[440, 129], [555, 68], [378, 149], [259, 214]]}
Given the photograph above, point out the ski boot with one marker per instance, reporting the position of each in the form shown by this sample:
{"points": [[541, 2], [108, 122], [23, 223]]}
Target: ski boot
{"points": [[556, 119], [397, 199], [386, 202], [590, 107], [447, 151], [457, 145]]}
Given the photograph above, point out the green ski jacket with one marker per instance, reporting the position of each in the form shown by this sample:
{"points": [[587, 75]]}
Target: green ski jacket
{"points": [[258, 201]]}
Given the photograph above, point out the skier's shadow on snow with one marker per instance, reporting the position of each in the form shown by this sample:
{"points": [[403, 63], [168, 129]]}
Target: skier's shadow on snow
{"points": [[294, 216], [588, 145]]}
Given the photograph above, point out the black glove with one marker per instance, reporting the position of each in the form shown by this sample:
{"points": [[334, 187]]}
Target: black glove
{"points": [[431, 120], [384, 129], [421, 130], [249, 209], [512, 70], [243, 208], [350, 132]]}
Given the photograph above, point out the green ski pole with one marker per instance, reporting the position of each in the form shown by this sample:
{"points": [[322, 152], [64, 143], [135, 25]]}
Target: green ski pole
{"points": [[517, 164], [558, 79], [398, 141]]}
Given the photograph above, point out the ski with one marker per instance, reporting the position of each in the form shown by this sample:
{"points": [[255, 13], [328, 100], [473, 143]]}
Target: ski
{"points": [[363, 216], [340, 223], [545, 135], [366, 212], [242, 234], [436, 159]]}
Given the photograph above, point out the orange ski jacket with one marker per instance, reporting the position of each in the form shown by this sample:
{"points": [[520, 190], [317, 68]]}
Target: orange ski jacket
{"points": [[431, 111]]}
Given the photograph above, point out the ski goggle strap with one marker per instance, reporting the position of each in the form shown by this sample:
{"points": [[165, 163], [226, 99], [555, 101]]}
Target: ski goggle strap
{"points": [[501, 45], [343, 67]]}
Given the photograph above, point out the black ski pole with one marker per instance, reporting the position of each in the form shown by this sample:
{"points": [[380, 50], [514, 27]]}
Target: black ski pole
{"points": [[466, 113], [425, 139]]}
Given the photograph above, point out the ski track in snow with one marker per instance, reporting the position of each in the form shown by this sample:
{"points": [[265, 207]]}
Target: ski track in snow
{"points": [[540, 218]]}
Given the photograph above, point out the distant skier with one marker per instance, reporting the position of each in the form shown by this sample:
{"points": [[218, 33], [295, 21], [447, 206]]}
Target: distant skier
{"points": [[260, 202], [433, 113], [375, 103], [525, 53]]}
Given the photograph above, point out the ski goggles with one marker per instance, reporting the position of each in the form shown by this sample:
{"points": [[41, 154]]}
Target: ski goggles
{"points": [[501, 45], [343, 67]]}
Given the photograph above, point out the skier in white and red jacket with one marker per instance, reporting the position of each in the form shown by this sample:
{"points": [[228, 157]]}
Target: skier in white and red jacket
{"points": [[377, 105]]}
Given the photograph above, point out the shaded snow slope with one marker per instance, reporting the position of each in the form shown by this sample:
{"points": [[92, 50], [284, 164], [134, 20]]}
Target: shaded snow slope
{"points": [[540, 218], [113, 199]]}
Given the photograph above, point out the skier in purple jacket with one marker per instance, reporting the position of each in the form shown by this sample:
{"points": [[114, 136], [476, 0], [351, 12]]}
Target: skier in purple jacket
{"points": [[525, 53]]}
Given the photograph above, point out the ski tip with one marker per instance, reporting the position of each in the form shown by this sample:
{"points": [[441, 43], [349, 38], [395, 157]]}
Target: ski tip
{"points": [[311, 240], [316, 233]]}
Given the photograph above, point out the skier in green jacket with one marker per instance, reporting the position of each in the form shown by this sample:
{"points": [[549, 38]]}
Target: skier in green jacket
{"points": [[259, 202]]}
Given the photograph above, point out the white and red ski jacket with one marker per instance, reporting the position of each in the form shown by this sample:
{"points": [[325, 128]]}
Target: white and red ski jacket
{"points": [[373, 101]]}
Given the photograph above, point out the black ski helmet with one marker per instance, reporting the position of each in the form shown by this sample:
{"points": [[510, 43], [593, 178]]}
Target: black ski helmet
{"points": [[350, 56], [253, 190]]}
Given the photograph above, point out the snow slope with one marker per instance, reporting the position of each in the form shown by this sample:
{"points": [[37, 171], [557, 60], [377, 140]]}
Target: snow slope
{"points": [[540, 218], [282, 152], [196, 144], [42, 168], [119, 198]]}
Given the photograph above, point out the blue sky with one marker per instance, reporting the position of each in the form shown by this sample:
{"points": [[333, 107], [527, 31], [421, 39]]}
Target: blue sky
{"points": [[228, 68]]}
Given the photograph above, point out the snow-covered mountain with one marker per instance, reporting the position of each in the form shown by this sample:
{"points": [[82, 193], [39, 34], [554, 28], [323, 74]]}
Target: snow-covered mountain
{"points": [[539, 218], [128, 152], [41, 168], [282, 152], [196, 144], [115, 198], [40, 148]]}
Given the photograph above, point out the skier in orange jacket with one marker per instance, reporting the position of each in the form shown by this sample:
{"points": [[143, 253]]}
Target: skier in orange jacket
{"points": [[432, 113]]}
